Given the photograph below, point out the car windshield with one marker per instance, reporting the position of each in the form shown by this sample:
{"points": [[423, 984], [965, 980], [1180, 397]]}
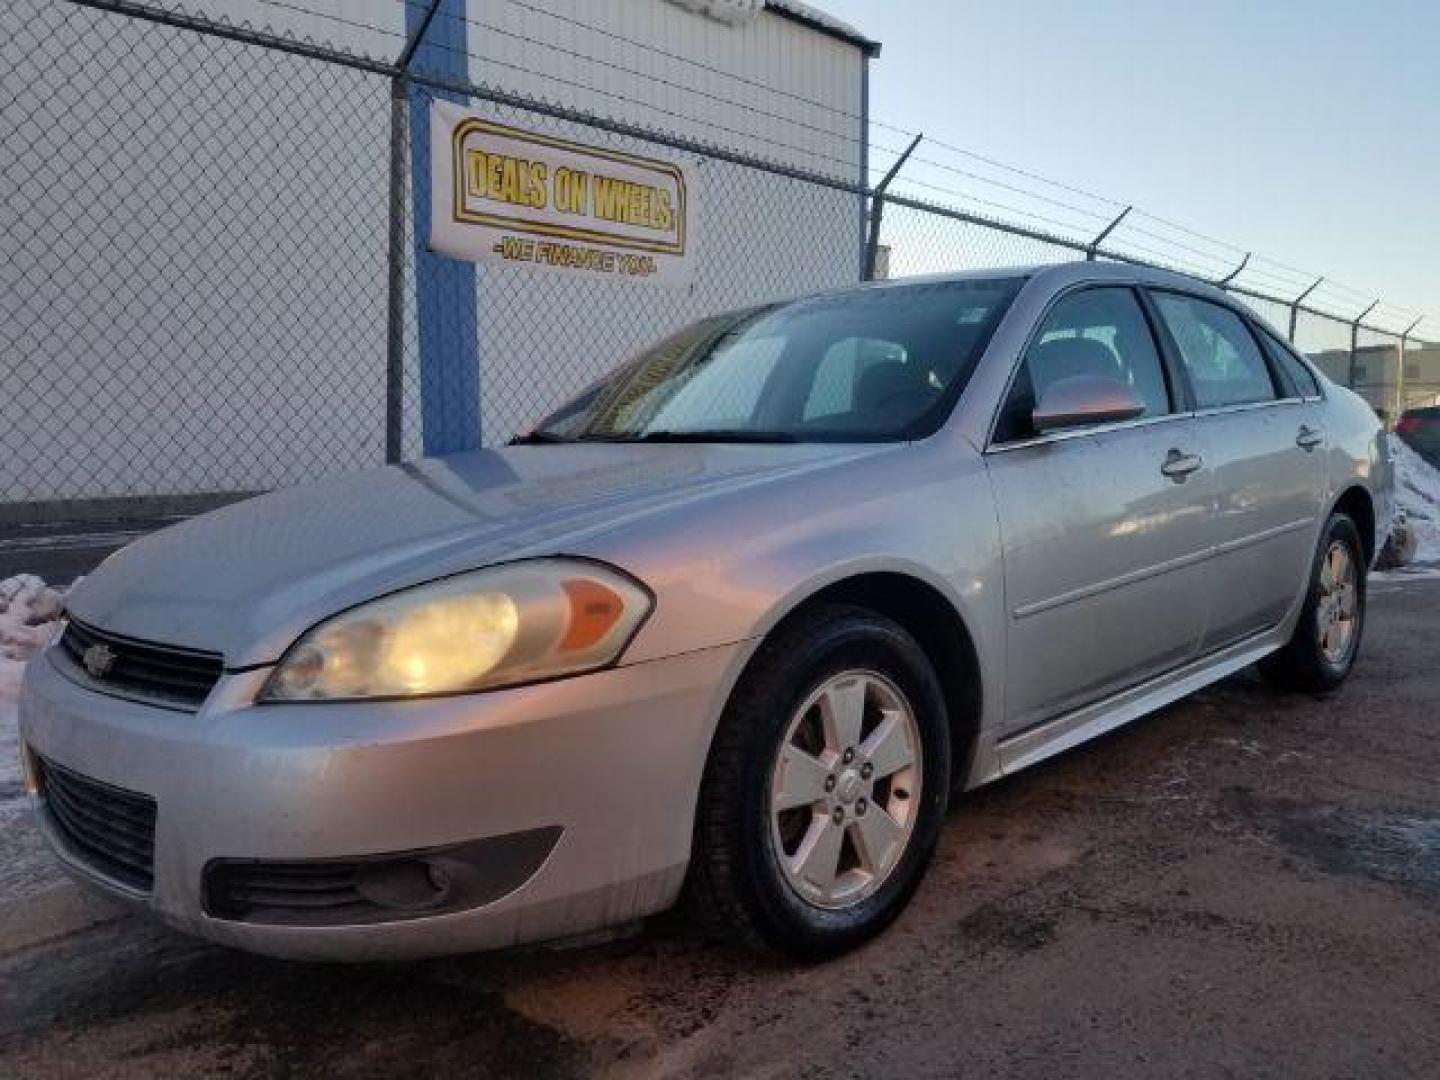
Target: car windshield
{"points": [[870, 365]]}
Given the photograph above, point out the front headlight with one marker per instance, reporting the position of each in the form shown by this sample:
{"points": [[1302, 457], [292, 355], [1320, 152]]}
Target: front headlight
{"points": [[537, 619]]}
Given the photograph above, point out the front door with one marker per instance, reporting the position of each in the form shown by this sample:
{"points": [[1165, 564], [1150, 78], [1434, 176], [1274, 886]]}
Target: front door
{"points": [[1104, 530]]}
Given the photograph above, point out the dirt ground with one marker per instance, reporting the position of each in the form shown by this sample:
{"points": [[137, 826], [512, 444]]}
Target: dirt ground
{"points": [[1247, 885]]}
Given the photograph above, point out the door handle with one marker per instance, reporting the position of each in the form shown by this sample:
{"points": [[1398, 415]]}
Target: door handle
{"points": [[1309, 438], [1178, 466]]}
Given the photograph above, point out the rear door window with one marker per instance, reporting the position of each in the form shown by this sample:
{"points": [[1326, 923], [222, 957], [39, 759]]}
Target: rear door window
{"points": [[1221, 356]]}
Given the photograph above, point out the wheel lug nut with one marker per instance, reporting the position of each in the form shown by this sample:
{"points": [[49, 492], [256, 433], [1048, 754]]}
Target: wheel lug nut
{"points": [[849, 755], [860, 806], [838, 816], [866, 771], [829, 783]]}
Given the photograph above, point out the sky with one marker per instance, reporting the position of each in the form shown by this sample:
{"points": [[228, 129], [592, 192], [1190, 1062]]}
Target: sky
{"points": [[1306, 131]]}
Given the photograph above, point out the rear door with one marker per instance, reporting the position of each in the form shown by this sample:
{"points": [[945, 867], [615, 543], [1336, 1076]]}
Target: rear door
{"points": [[1104, 528], [1264, 442]]}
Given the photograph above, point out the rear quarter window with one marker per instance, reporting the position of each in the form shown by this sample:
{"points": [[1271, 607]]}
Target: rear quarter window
{"points": [[1302, 381]]}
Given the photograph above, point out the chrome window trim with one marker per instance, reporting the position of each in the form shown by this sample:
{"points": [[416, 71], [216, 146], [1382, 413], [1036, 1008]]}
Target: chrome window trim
{"points": [[1246, 406], [1144, 421], [1078, 432]]}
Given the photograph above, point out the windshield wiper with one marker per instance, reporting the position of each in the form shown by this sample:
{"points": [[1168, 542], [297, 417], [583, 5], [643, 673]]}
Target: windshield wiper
{"points": [[720, 435], [539, 438]]}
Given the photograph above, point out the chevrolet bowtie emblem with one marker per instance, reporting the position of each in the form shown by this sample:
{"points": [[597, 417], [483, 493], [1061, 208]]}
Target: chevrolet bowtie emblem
{"points": [[98, 660]]}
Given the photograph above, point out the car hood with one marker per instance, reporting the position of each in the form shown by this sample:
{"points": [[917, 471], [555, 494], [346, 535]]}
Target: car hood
{"points": [[244, 581]]}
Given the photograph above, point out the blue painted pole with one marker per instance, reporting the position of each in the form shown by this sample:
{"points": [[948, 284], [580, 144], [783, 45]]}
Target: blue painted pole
{"points": [[445, 293]]}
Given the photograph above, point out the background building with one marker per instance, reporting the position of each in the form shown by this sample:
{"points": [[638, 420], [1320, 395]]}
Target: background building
{"points": [[194, 237]]}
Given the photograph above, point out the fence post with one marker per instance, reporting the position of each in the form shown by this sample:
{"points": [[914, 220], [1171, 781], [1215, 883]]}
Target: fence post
{"points": [[1094, 245], [395, 259], [1233, 274], [877, 209], [1400, 375], [1355, 341], [1295, 307], [395, 283]]}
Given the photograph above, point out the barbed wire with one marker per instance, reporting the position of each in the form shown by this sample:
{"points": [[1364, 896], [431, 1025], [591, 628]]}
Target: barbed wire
{"points": [[1341, 294], [1286, 280], [1068, 228]]}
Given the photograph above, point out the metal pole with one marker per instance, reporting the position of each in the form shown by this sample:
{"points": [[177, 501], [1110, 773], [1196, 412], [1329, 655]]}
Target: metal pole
{"points": [[1355, 340], [1095, 244], [863, 235], [877, 208], [1400, 377], [395, 285], [1233, 274], [1295, 306], [407, 54], [395, 258]]}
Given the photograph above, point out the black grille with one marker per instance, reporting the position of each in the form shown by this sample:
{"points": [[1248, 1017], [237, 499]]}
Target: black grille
{"points": [[107, 828], [307, 893], [162, 673], [376, 888]]}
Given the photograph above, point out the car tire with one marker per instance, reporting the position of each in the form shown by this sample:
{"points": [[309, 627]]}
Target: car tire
{"points": [[748, 881], [1311, 662]]}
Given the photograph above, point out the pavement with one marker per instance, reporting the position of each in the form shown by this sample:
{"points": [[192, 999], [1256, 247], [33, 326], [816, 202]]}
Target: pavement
{"points": [[1245, 884]]}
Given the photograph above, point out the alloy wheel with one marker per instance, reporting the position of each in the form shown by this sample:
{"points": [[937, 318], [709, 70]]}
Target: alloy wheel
{"points": [[845, 789], [1336, 615]]}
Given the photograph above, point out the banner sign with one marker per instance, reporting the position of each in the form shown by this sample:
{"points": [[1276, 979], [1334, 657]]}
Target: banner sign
{"points": [[519, 197]]}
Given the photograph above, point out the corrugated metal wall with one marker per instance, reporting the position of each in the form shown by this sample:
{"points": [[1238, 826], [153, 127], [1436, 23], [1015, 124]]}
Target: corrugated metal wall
{"points": [[768, 86]]}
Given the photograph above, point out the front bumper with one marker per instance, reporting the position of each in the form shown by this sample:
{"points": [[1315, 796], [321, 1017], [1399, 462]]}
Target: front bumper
{"points": [[613, 759]]}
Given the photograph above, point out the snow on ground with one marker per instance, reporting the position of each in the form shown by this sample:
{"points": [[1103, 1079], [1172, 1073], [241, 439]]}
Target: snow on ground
{"points": [[1417, 492], [28, 611]]}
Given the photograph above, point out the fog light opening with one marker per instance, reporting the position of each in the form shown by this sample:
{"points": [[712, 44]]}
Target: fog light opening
{"points": [[406, 885]]}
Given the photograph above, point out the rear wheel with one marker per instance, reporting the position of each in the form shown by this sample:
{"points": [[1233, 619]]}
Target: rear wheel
{"points": [[825, 788], [1322, 651]]}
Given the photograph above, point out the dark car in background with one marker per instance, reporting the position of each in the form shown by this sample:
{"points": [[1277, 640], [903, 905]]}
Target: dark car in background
{"points": [[1420, 428]]}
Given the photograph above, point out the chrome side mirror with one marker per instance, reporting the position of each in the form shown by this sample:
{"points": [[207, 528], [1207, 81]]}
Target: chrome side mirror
{"points": [[1085, 399]]}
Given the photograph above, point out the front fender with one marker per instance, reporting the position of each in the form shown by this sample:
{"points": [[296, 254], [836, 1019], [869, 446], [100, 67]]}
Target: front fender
{"points": [[731, 570]]}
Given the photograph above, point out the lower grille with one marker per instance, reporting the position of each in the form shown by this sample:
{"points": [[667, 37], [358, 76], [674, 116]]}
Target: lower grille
{"points": [[375, 888], [315, 893], [106, 828]]}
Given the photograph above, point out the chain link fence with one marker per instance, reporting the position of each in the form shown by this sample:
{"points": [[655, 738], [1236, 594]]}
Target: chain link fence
{"points": [[1390, 369], [212, 281]]}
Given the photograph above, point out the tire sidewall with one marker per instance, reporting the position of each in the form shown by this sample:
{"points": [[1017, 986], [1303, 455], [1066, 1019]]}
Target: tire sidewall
{"points": [[858, 641]]}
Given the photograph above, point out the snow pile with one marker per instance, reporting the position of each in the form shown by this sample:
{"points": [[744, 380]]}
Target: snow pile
{"points": [[28, 611], [1417, 494]]}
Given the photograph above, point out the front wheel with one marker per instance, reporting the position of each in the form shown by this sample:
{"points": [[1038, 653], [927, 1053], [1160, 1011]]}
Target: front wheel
{"points": [[1322, 651], [825, 788]]}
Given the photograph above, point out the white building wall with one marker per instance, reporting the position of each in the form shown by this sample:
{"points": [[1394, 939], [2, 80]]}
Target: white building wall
{"points": [[194, 267], [768, 86]]}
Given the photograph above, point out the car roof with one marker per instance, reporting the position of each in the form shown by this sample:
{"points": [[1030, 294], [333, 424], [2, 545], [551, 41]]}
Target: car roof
{"points": [[1059, 275]]}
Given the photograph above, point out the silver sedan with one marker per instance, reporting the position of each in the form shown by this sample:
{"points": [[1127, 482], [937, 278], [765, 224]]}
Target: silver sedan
{"points": [[733, 626]]}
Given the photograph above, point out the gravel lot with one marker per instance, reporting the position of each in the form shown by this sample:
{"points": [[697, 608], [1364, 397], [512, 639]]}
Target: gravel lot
{"points": [[1247, 884]]}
